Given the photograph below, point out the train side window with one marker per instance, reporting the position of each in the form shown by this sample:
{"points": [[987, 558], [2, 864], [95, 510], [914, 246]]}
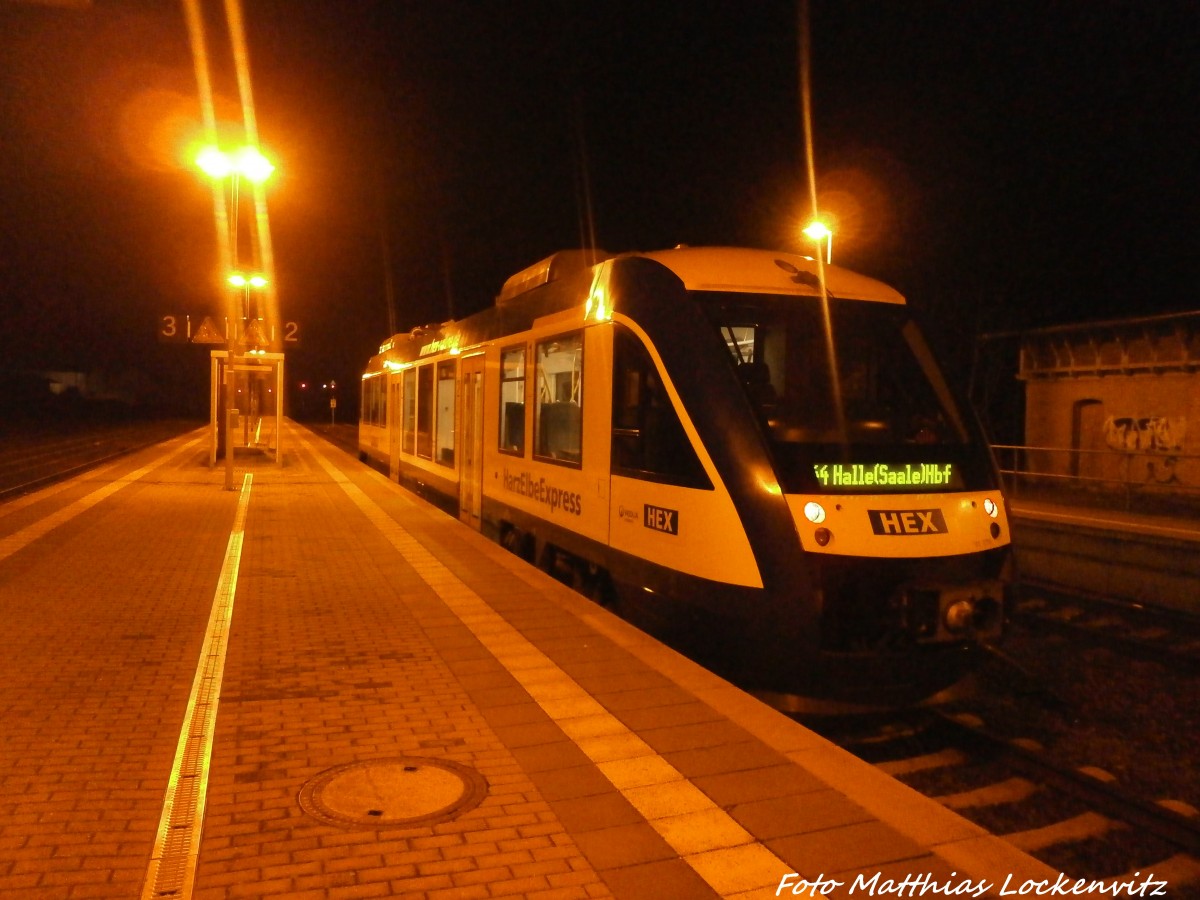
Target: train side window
{"points": [[648, 439], [558, 415], [378, 409], [512, 401], [444, 442], [409, 441], [370, 402], [380, 404], [425, 412]]}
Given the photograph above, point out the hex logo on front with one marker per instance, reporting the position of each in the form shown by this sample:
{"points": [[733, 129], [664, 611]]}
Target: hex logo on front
{"points": [[658, 519], [907, 521]]}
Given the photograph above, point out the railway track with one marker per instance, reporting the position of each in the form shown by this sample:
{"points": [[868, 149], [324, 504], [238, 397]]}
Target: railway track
{"points": [[1078, 820], [1135, 631], [34, 457], [344, 437], [1076, 742]]}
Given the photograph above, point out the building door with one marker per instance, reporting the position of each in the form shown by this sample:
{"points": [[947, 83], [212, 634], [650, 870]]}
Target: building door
{"points": [[1087, 439], [470, 485]]}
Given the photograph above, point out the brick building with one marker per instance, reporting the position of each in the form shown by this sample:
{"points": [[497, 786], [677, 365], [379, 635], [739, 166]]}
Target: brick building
{"points": [[1115, 400]]}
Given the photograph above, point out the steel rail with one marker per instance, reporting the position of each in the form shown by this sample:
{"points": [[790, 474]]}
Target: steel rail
{"points": [[1100, 796]]}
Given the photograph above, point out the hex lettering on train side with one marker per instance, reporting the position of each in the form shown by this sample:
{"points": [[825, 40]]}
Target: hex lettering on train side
{"points": [[656, 518]]}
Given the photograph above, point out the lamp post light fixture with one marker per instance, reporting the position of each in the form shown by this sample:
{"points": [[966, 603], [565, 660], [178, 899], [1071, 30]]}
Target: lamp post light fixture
{"points": [[253, 165], [245, 162], [230, 372], [819, 231], [237, 279], [246, 282]]}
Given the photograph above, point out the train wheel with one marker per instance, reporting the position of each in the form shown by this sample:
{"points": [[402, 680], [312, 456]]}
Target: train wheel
{"points": [[580, 575], [559, 565], [517, 542], [597, 586]]}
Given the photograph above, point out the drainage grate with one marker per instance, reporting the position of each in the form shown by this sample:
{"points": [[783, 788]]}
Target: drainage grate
{"points": [[403, 791]]}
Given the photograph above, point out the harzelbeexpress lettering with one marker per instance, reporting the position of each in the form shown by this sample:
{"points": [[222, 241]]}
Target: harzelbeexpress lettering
{"points": [[537, 488]]}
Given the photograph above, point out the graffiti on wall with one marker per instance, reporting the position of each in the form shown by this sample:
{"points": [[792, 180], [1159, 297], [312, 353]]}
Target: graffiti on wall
{"points": [[1161, 434]]}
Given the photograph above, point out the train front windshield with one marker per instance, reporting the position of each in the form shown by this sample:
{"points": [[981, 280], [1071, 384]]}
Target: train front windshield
{"points": [[899, 419]]}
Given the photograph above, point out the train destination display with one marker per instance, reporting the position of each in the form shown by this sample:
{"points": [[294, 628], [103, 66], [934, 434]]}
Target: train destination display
{"points": [[887, 476]]}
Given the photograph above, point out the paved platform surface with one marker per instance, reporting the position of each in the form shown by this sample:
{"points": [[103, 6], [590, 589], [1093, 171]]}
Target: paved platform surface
{"points": [[1117, 521], [363, 625]]}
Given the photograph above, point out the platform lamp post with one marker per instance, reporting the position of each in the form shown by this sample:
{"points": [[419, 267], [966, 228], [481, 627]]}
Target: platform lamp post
{"points": [[245, 162], [247, 283], [819, 231]]}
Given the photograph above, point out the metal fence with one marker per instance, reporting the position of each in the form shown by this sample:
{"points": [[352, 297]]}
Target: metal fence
{"points": [[1133, 480]]}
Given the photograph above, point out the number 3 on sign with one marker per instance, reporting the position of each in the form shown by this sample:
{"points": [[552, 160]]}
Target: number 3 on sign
{"points": [[175, 328]]}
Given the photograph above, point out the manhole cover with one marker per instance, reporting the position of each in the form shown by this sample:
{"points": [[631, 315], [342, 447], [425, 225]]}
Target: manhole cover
{"points": [[409, 790]]}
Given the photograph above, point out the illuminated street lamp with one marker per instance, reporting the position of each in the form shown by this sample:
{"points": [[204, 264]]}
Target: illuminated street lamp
{"points": [[245, 162], [818, 231], [214, 163], [253, 165], [246, 282], [239, 280]]}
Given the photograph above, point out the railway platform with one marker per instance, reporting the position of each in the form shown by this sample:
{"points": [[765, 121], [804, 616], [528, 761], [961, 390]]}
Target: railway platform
{"points": [[1149, 560], [318, 686]]}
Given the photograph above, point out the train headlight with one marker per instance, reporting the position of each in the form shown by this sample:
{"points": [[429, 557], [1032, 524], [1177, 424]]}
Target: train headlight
{"points": [[959, 616], [814, 512], [990, 507], [823, 536]]}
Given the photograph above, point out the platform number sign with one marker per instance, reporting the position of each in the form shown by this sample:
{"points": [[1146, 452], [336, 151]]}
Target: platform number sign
{"points": [[188, 329], [175, 329]]}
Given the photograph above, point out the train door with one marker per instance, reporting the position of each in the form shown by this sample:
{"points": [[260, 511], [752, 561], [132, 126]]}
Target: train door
{"points": [[470, 483], [393, 424]]}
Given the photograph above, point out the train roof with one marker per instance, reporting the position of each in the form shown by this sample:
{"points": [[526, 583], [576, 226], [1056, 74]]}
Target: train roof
{"points": [[730, 269], [737, 269], [744, 270]]}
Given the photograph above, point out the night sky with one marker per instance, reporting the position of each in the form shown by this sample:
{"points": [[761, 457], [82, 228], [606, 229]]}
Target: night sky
{"points": [[1005, 164]]}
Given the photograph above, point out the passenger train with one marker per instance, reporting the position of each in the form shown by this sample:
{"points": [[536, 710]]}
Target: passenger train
{"points": [[750, 456]]}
